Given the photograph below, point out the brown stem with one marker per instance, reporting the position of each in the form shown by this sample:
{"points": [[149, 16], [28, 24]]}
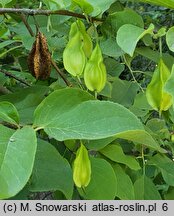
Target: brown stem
{"points": [[33, 12], [60, 73], [26, 24], [13, 76], [9, 125]]}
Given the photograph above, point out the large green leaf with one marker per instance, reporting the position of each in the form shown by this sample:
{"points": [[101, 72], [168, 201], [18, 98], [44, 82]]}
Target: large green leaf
{"points": [[98, 144], [8, 112], [166, 3], [54, 4], [141, 137], [115, 153], [4, 2], [169, 39], [26, 100], [168, 87], [110, 47], [120, 18], [100, 6], [128, 36], [51, 171], [17, 153], [170, 194], [166, 167], [6, 43], [84, 5], [145, 189], [103, 184], [125, 188], [124, 92], [155, 56], [136, 136], [64, 116], [156, 95], [57, 104]]}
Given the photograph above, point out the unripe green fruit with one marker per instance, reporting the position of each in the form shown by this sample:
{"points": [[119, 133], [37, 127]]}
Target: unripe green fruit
{"points": [[74, 58], [87, 42], [172, 137], [95, 71], [82, 168], [156, 95]]}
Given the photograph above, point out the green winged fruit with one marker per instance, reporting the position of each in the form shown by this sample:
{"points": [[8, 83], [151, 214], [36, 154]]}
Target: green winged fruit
{"points": [[74, 58], [79, 26], [87, 42], [95, 71], [82, 168], [156, 95], [78, 49]]}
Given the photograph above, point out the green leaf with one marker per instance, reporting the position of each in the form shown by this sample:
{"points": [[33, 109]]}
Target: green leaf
{"points": [[126, 16], [3, 79], [166, 3], [159, 128], [113, 67], [16, 159], [125, 188], [64, 115], [116, 154], [155, 56], [51, 171], [145, 189], [137, 136], [100, 6], [54, 4], [6, 43], [8, 112], [103, 181], [168, 87], [9, 50], [26, 100], [110, 47], [155, 92], [124, 92], [58, 103], [166, 167], [4, 2], [170, 194], [141, 137], [99, 144], [84, 5], [140, 107], [62, 119], [169, 39], [128, 36]]}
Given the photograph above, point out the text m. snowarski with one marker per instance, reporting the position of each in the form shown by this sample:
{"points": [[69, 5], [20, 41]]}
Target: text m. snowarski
{"points": [[53, 207]]}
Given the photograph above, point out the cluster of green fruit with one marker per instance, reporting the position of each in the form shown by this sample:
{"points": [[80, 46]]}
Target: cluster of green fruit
{"points": [[79, 58]]}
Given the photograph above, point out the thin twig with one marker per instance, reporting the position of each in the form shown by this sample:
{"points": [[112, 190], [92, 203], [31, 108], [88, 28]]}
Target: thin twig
{"points": [[34, 12], [131, 71], [13, 76], [60, 73], [26, 24], [9, 125]]}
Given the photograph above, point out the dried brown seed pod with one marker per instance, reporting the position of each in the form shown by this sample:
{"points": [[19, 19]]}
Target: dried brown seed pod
{"points": [[39, 59]]}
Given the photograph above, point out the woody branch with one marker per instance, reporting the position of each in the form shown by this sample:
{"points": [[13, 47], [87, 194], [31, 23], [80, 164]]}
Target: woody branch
{"points": [[34, 12]]}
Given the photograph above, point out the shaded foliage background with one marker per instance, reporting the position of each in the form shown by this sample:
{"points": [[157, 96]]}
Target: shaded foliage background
{"points": [[137, 158]]}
